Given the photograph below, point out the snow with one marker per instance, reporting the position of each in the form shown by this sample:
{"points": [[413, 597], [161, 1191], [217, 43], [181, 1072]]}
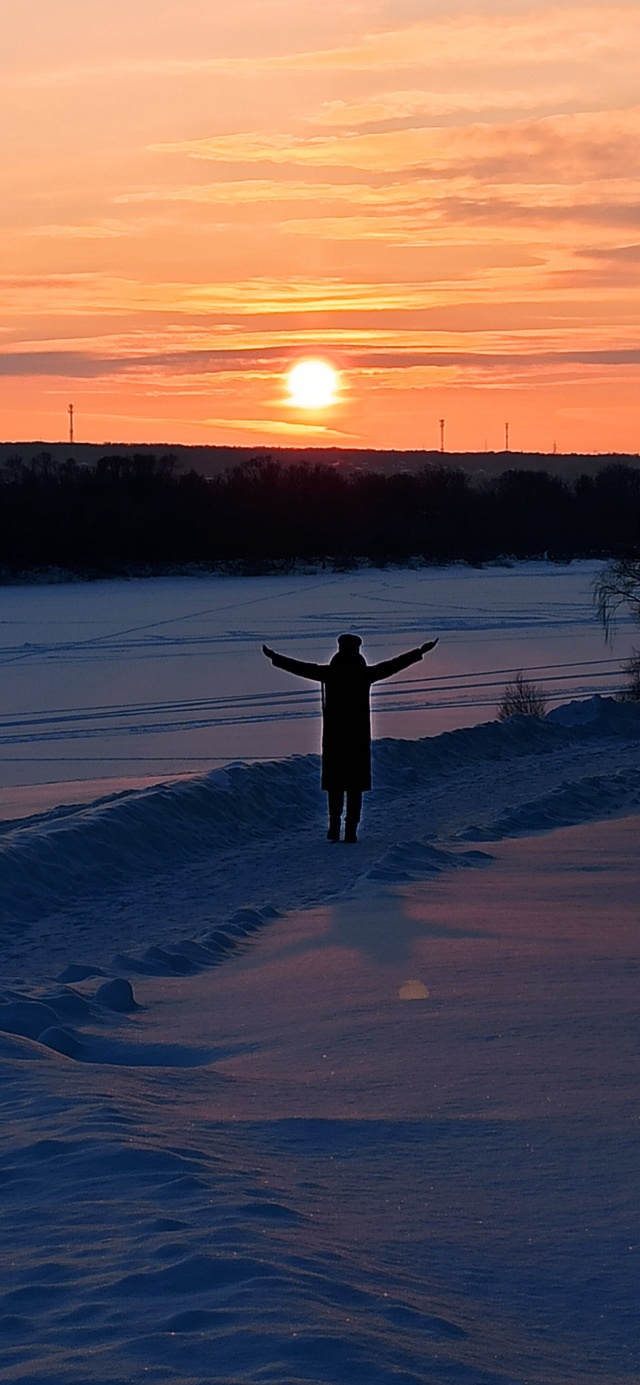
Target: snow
{"points": [[120, 684], [277, 1110]]}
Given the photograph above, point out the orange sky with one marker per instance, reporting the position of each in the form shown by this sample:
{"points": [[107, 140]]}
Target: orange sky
{"points": [[439, 198]]}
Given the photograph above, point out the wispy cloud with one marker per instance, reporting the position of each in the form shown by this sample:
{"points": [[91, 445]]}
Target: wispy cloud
{"points": [[244, 298], [249, 191], [393, 106], [86, 365], [69, 231], [619, 254], [574, 146], [80, 365], [548, 35], [117, 69], [410, 210], [277, 427], [480, 219]]}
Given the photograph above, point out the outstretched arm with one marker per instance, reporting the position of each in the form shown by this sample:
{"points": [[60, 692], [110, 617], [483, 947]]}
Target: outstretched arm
{"points": [[303, 670], [390, 666]]}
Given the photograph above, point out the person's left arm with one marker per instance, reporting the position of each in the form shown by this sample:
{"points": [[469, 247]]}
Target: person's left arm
{"points": [[388, 667]]}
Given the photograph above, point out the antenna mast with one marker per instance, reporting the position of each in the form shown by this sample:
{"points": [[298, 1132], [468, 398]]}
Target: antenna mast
{"points": [[441, 434], [70, 412]]}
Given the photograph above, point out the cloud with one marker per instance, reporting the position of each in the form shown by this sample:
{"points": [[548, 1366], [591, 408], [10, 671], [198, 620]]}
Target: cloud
{"points": [[133, 68], [552, 35], [278, 427], [99, 231], [258, 297], [411, 210], [385, 107], [554, 222], [249, 191], [478, 221], [626, 254], [26, 363], [260, 363], [416, 229], [574, 146], [88, 294], [487, 360], [84, 364]]}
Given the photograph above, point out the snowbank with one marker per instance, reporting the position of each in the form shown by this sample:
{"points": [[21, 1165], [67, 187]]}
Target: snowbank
{"points": [[87, 850]]}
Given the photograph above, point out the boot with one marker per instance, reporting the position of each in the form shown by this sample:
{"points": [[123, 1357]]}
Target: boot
{"points": [[336, 805], [354, 805]]}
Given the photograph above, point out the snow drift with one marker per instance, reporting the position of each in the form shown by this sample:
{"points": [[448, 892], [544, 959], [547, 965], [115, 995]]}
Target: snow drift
{"points": [[85, 850]]}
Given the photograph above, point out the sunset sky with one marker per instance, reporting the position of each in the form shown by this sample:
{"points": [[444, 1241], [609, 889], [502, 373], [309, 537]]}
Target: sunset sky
{"points": [[438, 197]]}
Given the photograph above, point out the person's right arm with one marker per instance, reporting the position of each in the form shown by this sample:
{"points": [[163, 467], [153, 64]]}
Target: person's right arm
{"points": [[297, 666]]}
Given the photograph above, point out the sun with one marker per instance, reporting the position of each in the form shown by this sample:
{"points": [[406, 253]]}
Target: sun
{"points": [[312, 384]]}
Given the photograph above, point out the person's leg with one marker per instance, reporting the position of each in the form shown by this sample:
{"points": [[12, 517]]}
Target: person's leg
{"points": [[354, 808], [336, 803]]}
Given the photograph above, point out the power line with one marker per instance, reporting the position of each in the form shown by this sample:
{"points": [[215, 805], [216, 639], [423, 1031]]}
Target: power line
{"points": [[246, 718], [119, 709], [505, 672]]}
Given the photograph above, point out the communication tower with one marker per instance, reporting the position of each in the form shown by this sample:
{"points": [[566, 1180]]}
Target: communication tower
{"points": [[70, 412]]}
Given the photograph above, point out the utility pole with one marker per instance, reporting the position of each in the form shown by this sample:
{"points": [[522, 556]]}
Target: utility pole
{"points": [[442, 435], [70, 412], [506, 437]]}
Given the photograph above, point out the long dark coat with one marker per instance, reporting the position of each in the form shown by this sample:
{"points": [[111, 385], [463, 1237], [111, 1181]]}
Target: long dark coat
{"points": [[346, 714]]}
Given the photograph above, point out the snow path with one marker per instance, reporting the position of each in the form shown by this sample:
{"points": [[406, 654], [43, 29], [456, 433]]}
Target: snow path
{"points": [[170, 862], [392, 1142]]}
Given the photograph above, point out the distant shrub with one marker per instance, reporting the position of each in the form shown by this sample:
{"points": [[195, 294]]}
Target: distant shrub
{"points": [[523, 698], [632, 669]]}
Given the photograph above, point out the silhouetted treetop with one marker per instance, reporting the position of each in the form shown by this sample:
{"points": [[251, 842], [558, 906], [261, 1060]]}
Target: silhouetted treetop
{"points": [[135, 511]]}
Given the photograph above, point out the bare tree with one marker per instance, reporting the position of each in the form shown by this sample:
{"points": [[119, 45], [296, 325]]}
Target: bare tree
{"points": [[618, 585], [522, 697]]}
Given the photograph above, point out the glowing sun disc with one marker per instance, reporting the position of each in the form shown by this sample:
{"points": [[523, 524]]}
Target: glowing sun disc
{"points": [[312, 384]]}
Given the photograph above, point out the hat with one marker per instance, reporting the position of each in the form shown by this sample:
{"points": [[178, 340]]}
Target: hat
{"points": [[349, 642]]}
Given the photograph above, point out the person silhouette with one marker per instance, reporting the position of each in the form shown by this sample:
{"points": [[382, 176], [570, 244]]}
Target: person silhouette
{"points": [[346, 722]]}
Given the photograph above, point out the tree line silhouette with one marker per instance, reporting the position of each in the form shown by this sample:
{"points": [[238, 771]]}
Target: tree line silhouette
{"points": [[135, 512]]}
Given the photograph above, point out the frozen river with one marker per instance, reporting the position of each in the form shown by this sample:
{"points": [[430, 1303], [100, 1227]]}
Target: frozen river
{"points": [[122, 683]]}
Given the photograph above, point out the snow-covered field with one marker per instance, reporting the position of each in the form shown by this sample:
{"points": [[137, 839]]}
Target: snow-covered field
{"points": [[280, 1111], [107, 683]]}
